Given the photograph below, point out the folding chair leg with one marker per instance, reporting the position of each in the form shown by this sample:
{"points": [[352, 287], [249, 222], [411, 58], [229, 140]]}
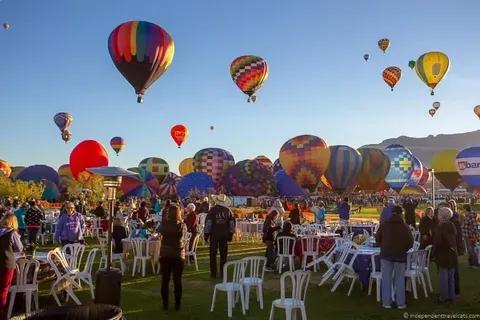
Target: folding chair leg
{"points": [[37, 307], [195, 260], [72, 294], [52, 292], [424, 285], [413, 281], [304, 313], [370, 283], [379, 288], [337, 283], [427, 275]]}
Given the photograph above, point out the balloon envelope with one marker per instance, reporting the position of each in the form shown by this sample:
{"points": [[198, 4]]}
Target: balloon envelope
{"points": [[157, 166], [63, 120], [214, 162], [413, 191], [417, 172], [345, 164], [142, 185], [476, 110], [425, 176], [168, 187], [38, 173], [197, 183], [15, 171], [383, 44], [277, 166], [445, 168], [392, 76], [51, 192], [117, 144], [87, 154], [186, 166], [5, 169], [249, 73], [265, 161], [249, 178], [401, 166], [286, 186], [179, 134], [375, 166], [468, 166], [431, 68]]}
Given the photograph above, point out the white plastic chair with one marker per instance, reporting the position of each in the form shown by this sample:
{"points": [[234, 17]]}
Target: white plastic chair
{"points": [[414, 271], [96, 227], [416, 245], [426, 269], [141, 255], [346, 270], [327, 258], [24, 284], [65, 279], [74, 253], [254, 273], [375, 276], [285, 250], [192, 252], [116, 257], [86, 274], [299, 281], [233, 286], [310, 248], [342, 250]]}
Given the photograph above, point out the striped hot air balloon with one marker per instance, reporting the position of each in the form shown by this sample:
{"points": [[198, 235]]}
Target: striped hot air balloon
{"points": [[345, 164], [117, 144], [392, 76]]}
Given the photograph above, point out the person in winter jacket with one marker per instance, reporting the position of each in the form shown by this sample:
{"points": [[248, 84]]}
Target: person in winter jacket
{"points": [[119, 232], [9, 244], [20, 212], [445, 253], [460, 243], [33, 219], [409, 205], [471, 234], [427, 226], [191, 221], [70, 227], [395, 239], [296, 214], [387, 211], [269, 228]]}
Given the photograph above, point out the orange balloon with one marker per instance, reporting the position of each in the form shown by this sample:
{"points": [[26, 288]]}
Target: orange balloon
{"points": [[179, 134], [392, 76]]}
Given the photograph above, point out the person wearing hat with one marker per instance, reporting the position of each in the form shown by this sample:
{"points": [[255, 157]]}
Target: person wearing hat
{"points": [[445, 252], [219, 230]]}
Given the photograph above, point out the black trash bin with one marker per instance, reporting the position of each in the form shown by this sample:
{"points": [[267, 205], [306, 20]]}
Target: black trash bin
{"points": [[83, 312]]}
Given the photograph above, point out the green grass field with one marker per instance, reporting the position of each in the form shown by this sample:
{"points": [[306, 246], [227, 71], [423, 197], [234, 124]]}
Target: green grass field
{"points": [[141, 296]]}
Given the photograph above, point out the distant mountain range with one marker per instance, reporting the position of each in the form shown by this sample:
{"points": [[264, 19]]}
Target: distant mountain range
{"points": [[425, 148]]}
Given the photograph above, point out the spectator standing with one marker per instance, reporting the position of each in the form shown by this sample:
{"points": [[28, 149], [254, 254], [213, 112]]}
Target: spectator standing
{"points": [[70, 227], [471, 235], [33, 219]]}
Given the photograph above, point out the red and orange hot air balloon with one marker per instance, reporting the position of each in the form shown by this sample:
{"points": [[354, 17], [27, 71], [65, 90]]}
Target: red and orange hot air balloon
{"points": [[179, 134], [249, 73], [142, 52], [392, 76]]}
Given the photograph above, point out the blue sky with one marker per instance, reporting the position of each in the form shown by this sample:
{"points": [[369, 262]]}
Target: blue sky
{"points": [[54, 58]]}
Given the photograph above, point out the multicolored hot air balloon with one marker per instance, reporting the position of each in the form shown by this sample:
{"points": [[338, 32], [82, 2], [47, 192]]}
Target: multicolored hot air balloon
{"points": [[383, 44], [432, 112], [417, 172], [392, 76], [143, 185], [425, 176], [305, 158], [249, 73], [195, 184], [214, 162], [445, 168], [345, 164], [117, 144], [265, 161], [249, 178], [186, 166], [411, 64], [476, 110], [157, 166], [431, 68], [179, 134], [63, 120], [401, 166], [87, 154], [468, 166], [169, 185], [286, 186], [142, 52], [366, 56], [375, 166], [277, 166], [5, 169]]}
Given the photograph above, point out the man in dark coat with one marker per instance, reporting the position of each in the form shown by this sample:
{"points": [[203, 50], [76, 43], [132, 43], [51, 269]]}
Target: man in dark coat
{"points": [[409, 205]]}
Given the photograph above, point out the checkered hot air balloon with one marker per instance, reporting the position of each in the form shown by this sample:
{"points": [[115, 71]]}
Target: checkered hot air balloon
{"points": [[345, 164], [249, 178], [249, 73], [401, 166], [157, 166], [214, 162]]}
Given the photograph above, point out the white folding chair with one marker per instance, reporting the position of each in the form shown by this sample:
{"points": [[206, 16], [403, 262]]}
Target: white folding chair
{"points": [[414, 271], [285, 250], [342, 252], [375, 275], [231, 287], [74, 253], [24, 284], [345, 270], [65, 279], [86, 274], [254, 273], [310, 248], [116, 257], [295, 300], [192, 252], [141, 255], [426, 269]]}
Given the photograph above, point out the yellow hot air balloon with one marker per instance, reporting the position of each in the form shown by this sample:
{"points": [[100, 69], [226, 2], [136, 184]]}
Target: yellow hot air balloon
{"points": [[431, 68], [383, 44], [186, 166], [444, 164], [477, 111]]}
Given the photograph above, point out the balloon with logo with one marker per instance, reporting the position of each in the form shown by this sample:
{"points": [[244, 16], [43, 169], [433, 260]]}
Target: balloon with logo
{"points": [[383, 44], [286, 186], [169, 185], [87, 154], [38, 173], [195, 184], [277, 166], [375, 166], [476, 110], [345, 164], [142, 52], [401, 166], [432, 67], [445, 169], [179, 134], [249, 73], [213, 162], [186, 166], [417, 172], [425, 176], [117, 144], [392, 76], [157, 166], [265, 161], [305, 158], [5, 169], [249, 178], [411, 64], [366, 56], [143, 185], [468, 166]]}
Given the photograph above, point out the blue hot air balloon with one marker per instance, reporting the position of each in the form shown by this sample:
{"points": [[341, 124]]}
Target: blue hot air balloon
{"points": [[401, 166], [277, 166], [197, 183], [286, 186], [345, 164], [417, 172], [38, 173], [468, 166]]}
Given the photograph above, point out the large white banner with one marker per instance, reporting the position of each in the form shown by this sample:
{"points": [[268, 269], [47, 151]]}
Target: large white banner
{"points": [[468, 166]]}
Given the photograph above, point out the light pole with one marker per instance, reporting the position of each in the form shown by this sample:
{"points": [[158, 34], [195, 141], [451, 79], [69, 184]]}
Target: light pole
{"points": [[108, 282], [433, 186]]}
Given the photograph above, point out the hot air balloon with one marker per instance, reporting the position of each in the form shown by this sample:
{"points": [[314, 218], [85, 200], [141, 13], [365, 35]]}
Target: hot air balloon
{"points": [[432, 111], [64, 171], [413, 191], [143, 185], [305, 158], [468, 166], [214, 162], [195, 183], [249, 178], [157, 166], [50, 192], [265, 161], [63, 120], [366, 56], [436, 105], [476, 110], [211, 128], [249, 73], [5, 169], [425, 176], [186, 166], [444, 165], [142, 52], [383, 44], [392, 76], [38, 173], [16, 171], [169, 185], [87, 154], [324, 183], [417, 172], [117, 144], [375, 166], [277, 166], [431, 68], [286, 186], [179, 134], [345, 164], [6, 25], [411, 64], [401, 166]]}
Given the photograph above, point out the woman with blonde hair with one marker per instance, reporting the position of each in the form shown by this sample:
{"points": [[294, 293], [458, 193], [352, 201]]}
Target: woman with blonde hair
{"points": [[9, 244]]}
